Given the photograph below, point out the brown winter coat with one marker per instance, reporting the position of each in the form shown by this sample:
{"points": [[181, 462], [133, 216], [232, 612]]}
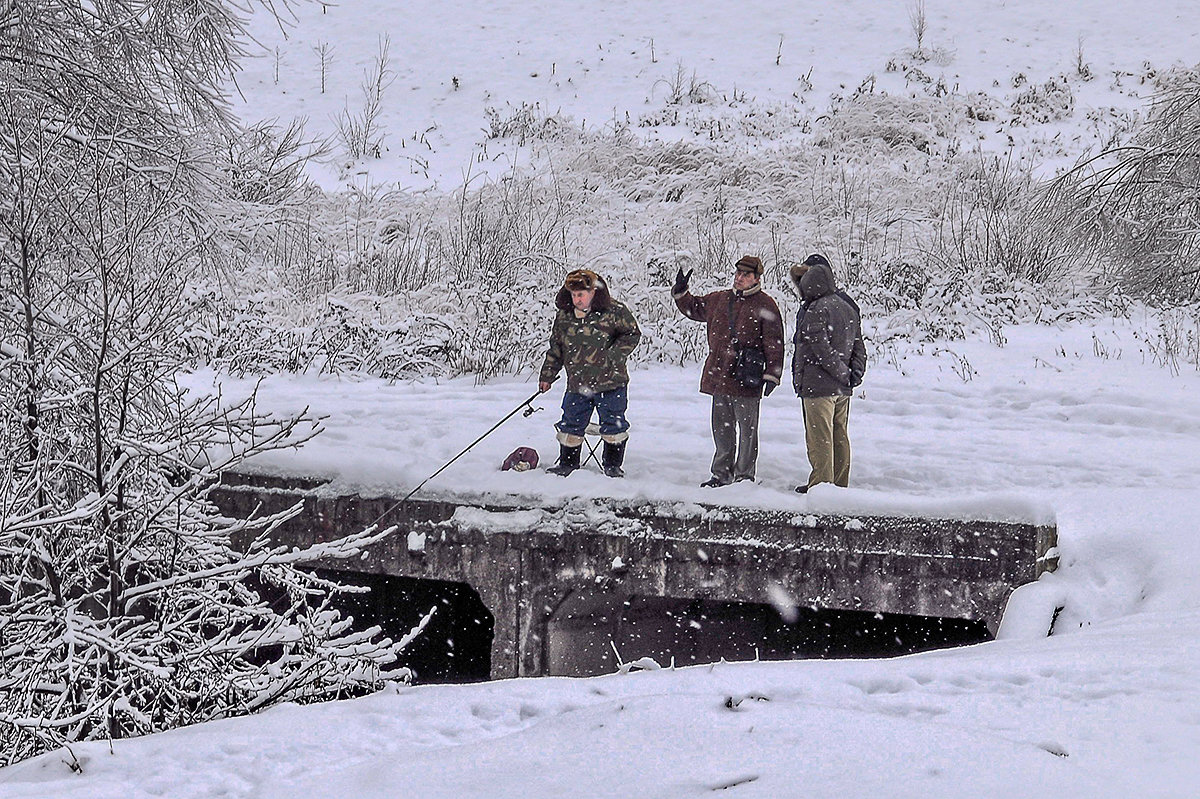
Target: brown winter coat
{"points": [[757, 322], [830, 356]]}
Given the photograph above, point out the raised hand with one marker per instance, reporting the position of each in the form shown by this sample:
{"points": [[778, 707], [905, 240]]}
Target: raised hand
{"points": [[681, 281]]}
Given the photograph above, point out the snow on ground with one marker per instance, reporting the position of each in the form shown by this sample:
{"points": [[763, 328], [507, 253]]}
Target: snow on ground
{"points": [[1109, 706], [1087, 715], [920, 428]]}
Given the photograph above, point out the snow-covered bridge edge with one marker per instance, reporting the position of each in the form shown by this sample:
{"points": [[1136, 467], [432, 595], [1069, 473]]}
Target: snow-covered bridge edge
{"points": [[524, 560]]}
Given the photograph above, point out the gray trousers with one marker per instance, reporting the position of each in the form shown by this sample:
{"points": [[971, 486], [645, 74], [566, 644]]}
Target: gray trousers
{"points": [[735, 433]]}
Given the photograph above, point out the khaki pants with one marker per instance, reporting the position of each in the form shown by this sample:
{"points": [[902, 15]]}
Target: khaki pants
{"points": [[735, 434], [825, 420]]}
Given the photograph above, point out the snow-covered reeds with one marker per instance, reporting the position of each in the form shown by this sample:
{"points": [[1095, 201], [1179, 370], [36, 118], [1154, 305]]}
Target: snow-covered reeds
{"points": [[935, 238]]}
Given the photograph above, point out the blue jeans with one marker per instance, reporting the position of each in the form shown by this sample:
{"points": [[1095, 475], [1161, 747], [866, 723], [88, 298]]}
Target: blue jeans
{"points": [[609, 406]]}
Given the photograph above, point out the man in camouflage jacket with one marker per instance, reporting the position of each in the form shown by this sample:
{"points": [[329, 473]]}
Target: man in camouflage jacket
{"points": [[592, 338]]}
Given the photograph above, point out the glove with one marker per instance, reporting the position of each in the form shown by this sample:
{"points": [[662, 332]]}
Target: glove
{"points": [[681, 281], [768, 387]]}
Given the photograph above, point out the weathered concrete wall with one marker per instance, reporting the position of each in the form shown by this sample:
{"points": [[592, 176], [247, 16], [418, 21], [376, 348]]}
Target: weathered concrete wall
{"points": [[524, 565]]}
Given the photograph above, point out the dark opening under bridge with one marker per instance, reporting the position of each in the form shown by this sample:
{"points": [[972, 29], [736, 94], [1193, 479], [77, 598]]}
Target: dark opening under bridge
{"points": [[564, 584]]}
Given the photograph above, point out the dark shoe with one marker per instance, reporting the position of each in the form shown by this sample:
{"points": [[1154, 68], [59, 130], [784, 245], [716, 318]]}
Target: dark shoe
{"points": [[612, 458], [568, 460], [743, 479], [802, 489], [714, 482]]}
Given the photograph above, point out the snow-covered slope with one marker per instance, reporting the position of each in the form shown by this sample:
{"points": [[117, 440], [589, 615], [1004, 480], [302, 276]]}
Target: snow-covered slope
{"points": [[620, 62]]}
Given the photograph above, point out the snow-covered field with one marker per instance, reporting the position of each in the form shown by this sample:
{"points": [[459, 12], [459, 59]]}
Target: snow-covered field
{"points": [[1082, 421], [1108, 706]]}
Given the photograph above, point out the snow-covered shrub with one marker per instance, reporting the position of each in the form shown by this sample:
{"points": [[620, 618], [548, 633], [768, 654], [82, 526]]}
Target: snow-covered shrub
{"points": [[524, 123], [1132, 211], [512, 228], [981, 106], [1172, 337], [666, 336], [683, 89], [265, 164], [757, 121], [361, 131], [1039, 104], [948, 242], [892, 285], [128, 603], [921, 123], [993, 223]]}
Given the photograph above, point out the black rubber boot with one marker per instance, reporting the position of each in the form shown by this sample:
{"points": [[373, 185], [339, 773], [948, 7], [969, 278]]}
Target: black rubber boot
{"points": [[612, 458], [568, 460]]}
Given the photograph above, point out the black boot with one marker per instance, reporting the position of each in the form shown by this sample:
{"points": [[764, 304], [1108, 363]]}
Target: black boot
{"points": [[612, 458], [568, 460]]}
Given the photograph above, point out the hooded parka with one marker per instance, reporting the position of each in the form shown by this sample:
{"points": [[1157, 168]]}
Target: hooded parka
{"points": [[830, 357]]}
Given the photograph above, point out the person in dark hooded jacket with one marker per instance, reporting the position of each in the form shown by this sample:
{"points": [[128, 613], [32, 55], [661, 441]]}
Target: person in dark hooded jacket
{"points": [[592, 338], [829, 361]]}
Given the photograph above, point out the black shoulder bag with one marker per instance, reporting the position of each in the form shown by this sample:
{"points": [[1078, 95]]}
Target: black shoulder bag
{"points": [[750, 363]]}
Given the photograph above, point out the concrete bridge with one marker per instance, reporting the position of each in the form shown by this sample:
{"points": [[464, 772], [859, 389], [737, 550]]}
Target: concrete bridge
{"points": [[560, 580]]}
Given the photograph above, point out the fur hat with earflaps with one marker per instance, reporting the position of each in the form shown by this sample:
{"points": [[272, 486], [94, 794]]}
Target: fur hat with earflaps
{"points": [[583, 280]]}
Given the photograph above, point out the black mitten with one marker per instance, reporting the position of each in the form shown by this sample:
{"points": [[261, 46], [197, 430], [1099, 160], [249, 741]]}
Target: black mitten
{"points": [[681, 281]]}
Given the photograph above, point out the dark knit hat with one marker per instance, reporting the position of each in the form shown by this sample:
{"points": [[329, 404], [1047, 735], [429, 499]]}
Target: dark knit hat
{"points": [[816, 259], [749, 263], [581, 280]]}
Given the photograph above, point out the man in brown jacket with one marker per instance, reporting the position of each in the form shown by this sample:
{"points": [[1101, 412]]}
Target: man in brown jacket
{"points": [[741, 318]]}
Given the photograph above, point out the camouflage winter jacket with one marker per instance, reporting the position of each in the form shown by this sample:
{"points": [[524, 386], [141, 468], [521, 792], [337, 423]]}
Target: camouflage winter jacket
{"points": [[593, 349]]}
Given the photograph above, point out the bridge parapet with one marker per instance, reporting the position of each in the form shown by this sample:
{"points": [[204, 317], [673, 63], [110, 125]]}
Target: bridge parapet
{"points": [[526, 561]]}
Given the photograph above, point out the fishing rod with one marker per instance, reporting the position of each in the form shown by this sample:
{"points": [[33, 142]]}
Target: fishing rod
{"points": [[529, 411]]}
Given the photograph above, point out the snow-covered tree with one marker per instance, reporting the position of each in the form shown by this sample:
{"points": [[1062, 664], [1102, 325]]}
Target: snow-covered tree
{"points": [[1135, 209], [127, 603]]}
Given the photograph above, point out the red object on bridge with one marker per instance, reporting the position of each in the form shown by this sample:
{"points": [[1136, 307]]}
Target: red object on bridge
{"points": [[521, 459]]}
